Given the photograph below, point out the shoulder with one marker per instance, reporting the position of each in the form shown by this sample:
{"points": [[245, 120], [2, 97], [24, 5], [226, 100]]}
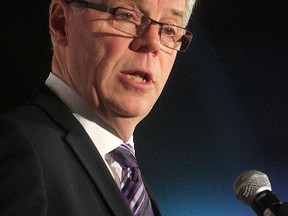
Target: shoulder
{"points": [[23, 120], [15, 128], [20, 169]]}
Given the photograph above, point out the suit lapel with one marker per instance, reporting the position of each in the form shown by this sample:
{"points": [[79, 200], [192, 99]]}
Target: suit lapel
{"points": [[96, 168], [84, 150]]}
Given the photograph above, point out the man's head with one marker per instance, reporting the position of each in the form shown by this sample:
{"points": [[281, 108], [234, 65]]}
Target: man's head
{"points": [[119, 75]]}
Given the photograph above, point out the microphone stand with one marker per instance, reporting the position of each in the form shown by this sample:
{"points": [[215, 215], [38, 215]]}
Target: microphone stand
{"points": [[283, 211]]}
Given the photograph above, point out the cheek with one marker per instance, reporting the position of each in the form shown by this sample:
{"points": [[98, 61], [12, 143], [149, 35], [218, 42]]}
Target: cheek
{"points": [[108, 61], [111, 53]]}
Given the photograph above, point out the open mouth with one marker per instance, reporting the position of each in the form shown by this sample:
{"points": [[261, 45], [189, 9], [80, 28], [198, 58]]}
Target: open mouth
{"points": [[138, 77]]}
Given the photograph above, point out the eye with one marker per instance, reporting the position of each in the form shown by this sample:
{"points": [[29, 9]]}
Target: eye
{"points": [[127, 15], [169, 30]]}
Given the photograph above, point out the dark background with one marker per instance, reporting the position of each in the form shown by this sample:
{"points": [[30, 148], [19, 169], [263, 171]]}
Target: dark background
{"points": [[223, 111]]}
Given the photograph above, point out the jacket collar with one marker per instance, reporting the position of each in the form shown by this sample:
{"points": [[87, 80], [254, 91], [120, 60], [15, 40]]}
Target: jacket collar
{"points": [[87, 154]]}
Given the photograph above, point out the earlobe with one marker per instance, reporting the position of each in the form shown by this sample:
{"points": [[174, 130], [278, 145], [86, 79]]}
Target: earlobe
{"points": [[58, 23]]}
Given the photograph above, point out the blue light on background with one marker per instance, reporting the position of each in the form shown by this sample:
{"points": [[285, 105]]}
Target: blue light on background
{"points": [[223, 112]]}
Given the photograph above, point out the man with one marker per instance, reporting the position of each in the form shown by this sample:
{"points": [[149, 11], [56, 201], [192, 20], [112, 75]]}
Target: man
{"points": [[110, 64]]}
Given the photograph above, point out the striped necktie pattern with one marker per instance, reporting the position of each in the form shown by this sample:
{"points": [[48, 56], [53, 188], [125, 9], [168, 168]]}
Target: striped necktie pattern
{"points": [[132, 186]]}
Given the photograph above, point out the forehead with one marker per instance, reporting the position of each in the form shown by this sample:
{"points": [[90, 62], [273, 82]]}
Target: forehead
{"points": [[164, 7]]}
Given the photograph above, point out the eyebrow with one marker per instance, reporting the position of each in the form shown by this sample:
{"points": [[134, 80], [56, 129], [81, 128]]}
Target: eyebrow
{"points": [[177, 13]]}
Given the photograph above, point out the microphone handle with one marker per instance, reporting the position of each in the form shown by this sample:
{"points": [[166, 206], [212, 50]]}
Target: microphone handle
{"points": [[283, 211], [266, 204]]}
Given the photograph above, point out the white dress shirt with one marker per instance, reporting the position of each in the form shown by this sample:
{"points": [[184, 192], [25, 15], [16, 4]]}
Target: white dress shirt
{"points": [[103, 140]]}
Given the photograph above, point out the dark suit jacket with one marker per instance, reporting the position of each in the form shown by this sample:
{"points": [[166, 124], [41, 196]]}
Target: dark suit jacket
{"points": [[49, 166]]}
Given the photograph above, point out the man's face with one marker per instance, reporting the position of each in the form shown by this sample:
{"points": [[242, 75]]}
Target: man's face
{"points": [[119, 75]]}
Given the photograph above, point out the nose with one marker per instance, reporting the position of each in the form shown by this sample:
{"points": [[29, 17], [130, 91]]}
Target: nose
{"points": [[148, 42]]}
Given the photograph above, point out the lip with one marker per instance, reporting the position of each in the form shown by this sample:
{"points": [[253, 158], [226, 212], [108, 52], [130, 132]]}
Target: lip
{"points": [[134, 83]]}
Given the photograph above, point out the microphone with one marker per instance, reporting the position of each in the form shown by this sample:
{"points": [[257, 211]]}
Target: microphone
{"points": [[254, 189]]}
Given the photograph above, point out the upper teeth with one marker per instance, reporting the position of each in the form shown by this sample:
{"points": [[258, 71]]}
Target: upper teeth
{"points": [[136, 78]]}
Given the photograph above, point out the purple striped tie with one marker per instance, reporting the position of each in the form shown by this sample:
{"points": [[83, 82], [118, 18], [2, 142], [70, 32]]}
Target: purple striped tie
{"points": [[132, 186]]}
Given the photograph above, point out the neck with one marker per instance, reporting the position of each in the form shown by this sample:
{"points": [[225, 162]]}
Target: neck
{"points": [[119, 126]]}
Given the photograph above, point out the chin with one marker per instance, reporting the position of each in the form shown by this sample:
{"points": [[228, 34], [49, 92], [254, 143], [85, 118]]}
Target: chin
{"points": [[135, 112]]}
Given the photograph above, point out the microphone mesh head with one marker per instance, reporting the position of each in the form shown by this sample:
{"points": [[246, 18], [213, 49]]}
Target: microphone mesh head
{"points": [[249, 184]]}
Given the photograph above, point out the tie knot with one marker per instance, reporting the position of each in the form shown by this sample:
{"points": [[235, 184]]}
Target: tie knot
{"points": [[125, 156]]}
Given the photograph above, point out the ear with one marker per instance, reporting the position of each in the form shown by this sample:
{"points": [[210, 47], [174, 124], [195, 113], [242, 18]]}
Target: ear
{"points": [[58, 22]]}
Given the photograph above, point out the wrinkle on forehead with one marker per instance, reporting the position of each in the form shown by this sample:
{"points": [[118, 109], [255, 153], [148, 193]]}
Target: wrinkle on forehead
{"points": [[155, 4]]}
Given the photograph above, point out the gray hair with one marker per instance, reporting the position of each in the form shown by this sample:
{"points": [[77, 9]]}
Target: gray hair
{"points": [[189, 7]]}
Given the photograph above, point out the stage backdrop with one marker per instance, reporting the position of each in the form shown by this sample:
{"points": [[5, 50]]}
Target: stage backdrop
{"points": [[223, 111]]}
